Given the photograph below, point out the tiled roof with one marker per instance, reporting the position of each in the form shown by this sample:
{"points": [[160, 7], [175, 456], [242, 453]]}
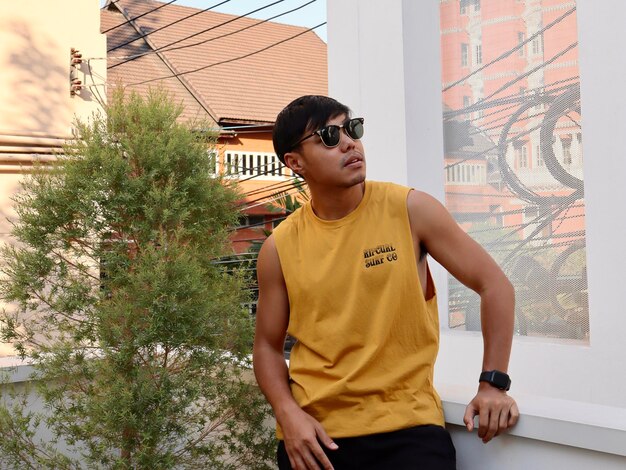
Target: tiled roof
{"points": [[250, 90]]}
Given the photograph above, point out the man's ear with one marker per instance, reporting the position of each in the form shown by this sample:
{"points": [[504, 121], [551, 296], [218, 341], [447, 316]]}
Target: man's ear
{"points": [[294, 161]]}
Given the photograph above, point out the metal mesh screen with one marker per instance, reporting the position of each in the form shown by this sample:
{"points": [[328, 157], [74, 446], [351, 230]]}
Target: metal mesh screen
{"points": [[514, 158]]}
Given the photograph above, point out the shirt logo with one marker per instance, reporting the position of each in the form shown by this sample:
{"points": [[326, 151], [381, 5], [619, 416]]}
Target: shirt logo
{"points": [[380, 254]]}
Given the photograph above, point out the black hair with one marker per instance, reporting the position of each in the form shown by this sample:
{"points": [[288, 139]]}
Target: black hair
{"points": [[307, 113]]}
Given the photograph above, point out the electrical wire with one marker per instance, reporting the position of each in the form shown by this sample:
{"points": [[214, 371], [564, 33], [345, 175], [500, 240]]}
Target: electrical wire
{"points": [[165, 48], [258, 224], [277, 167], [101, 101], [508, 85], [229, 60], [490, 215], [494, 147], [209, 29], [558, 215], [280, 189], [272, 187], [511, 51], [254, 171], [516, 98], [542, 225], [185, 85], [166, 26], [138, 16], [277, 193], [281, 196], [534, 221], [482, 129], [258, 172], [531, 71]]}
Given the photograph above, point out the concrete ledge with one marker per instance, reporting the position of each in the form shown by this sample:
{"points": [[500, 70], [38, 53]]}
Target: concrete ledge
{"points": [[15, 370], [576, 424]]}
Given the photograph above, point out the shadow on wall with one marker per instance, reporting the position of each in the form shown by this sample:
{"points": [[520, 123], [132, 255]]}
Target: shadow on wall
{"points": [[9, 186], [40, 90]]}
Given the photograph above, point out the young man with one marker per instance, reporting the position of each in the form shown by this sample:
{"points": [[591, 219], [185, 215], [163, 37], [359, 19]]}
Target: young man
{"points": [[347, 276]]}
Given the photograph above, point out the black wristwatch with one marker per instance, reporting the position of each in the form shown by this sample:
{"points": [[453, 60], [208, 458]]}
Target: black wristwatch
{"points": [[496, 378]]}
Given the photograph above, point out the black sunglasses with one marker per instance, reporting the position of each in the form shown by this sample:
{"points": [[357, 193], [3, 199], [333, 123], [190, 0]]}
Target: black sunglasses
{"points": [[331, 135]]}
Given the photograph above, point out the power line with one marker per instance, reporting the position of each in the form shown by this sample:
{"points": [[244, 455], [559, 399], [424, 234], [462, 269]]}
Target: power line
{"points": [[272, 187], [269, 200], [138, 16], [518, 227], [229, 60], [238, 31], [484, 152], [276, 193], [542, 225], [99, 98], [164, 48], [515, 98], [216, 26], [269, 191], [495, 147], [166, 26], [276, 167], [531, 71], [255, 171], [488, 215], [274, 190], [545, 246], [511, 51], [227, 257], [259, 224], [498, 126]]}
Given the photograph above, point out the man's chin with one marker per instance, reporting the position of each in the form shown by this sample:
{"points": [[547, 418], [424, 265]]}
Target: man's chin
{"points": [[357, 179]]}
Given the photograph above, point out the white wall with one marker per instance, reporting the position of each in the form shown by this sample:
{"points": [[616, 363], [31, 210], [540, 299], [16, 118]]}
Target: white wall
{"points": [[373, 64], [384, 62]]}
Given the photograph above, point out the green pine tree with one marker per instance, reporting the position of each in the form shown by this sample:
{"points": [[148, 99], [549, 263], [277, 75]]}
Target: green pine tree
{"points": [[139, 339]]}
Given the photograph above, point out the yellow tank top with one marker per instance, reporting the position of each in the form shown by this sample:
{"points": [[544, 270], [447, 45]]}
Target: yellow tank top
{"points": [[367, 339]]}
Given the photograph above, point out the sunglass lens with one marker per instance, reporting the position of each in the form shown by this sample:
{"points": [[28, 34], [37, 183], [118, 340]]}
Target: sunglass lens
{"points": [[330, 136], [355, 128]]}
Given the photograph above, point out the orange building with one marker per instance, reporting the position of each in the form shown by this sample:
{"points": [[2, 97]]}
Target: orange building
{"points": [[232, 74], [513, 153], [505, 63]]}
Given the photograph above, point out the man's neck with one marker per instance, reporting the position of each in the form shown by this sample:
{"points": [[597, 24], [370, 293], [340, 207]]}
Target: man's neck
{"points": [[336, 203]]}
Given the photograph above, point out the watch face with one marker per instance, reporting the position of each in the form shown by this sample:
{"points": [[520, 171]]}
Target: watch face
{"points": [[501, 380], [497, 379]]}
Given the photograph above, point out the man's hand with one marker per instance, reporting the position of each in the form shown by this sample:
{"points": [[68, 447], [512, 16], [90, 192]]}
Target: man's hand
{"points": [[303, 435], [495, 409]]}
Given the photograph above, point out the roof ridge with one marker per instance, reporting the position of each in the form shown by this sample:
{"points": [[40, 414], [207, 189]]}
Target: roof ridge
{"points": [[188, 86]]}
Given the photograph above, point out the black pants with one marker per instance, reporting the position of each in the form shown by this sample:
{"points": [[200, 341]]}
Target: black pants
{"points": [[421, 447]]}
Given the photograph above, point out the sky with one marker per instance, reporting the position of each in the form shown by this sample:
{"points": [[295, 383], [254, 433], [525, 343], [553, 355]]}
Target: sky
{"points": [[309, 16]]}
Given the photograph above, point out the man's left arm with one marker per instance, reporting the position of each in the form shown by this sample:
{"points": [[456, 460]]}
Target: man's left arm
{"points": [[467, 261]]}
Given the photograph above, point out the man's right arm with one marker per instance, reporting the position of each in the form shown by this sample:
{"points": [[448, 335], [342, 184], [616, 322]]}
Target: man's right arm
{"points": [[301, 431]]}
